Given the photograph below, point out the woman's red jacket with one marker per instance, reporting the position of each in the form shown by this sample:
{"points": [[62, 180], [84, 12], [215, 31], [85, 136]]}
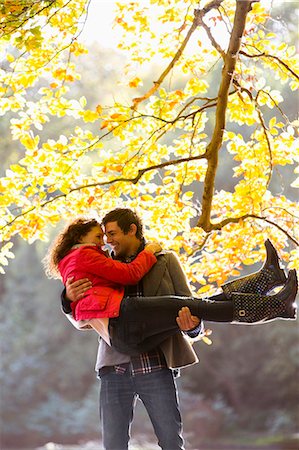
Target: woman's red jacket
{"points": [[108, 278]]}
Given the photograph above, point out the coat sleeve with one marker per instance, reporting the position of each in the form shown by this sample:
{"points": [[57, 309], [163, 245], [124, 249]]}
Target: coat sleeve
{"points": [[81, 325], [65, 304], [116, 271], [182, 287]]}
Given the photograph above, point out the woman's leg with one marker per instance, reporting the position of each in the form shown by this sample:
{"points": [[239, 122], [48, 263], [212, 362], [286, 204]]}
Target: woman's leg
{"points": [[101, 327], [218, 297], [147, 320], [260, 282], [164, 309]]}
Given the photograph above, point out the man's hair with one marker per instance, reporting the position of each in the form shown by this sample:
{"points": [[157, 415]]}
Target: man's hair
{"points": [[124, 218]]}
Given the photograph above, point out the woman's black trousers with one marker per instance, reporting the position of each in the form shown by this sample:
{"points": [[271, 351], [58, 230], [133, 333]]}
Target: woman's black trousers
{"points": [[145, 322]]}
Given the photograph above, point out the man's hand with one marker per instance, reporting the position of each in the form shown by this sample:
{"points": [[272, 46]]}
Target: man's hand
{"points": [[186, 321], [76, 289]]}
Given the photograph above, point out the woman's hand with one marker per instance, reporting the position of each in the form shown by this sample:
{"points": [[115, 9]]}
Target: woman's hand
{"points": [[153, 247]]}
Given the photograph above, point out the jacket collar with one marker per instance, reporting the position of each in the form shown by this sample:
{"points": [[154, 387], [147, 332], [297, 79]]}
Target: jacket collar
{"points": [[84, 245]]}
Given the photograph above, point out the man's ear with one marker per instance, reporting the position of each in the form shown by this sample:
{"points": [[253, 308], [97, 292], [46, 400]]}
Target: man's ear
{"points": [[133, 229]]}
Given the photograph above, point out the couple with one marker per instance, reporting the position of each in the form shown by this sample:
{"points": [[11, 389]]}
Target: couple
{"points": [[139, 361]]}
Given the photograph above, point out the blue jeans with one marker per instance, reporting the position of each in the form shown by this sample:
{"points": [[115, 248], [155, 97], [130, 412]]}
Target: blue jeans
{"points": [[157, 391]]}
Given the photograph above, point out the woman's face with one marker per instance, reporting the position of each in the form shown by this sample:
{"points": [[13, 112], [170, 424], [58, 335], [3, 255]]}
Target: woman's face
{"points": [[94, 236]]}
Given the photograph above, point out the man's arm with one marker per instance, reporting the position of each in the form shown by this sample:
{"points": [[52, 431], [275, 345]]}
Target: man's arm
{"points": [[65, 303], [74, 290], [189, 324]]}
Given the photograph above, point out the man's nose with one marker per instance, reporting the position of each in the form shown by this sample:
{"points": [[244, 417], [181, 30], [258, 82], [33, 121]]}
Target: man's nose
{"points": [[108, 239]]}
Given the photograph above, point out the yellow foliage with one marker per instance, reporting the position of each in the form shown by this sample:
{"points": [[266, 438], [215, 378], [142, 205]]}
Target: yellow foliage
{"points": [[195, 85], [156, 158]]}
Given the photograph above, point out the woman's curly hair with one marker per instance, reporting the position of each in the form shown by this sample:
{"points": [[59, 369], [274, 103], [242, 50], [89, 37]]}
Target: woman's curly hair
{"points": [[63, 243]]}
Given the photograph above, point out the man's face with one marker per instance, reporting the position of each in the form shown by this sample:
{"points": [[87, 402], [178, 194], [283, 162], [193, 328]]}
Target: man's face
{"points": [[122, 244]]}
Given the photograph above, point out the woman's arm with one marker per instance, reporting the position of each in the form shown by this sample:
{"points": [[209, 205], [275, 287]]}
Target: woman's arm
{"points": [[123, 273], [185, 320]]}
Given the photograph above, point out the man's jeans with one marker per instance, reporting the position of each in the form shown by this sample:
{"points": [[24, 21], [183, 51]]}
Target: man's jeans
{"points": [[158, 393]]}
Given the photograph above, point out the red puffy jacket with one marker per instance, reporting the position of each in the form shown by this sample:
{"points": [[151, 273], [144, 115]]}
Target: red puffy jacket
{"points": [[108, 278]]}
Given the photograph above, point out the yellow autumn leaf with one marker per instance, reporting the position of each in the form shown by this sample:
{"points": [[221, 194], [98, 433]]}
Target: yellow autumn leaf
{"points": [[99, 109], [29, 142], [89, 116], [10, 57], [248, 261], [135, 82], [207, 340], [204, 289], [118, 117]]}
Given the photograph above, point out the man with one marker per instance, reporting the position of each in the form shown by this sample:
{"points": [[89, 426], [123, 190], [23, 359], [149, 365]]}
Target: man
{"points": [[150, 376]]}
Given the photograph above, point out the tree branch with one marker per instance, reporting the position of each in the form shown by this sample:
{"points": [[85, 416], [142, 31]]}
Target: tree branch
{"points": [[198, 14], [229, 220], [213, 148], [266, 55], [25, 10], [134, 180], [211, 37]]}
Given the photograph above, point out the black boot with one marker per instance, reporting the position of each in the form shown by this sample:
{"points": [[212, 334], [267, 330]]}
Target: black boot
{"points": [[261, 282], [255, 308]]}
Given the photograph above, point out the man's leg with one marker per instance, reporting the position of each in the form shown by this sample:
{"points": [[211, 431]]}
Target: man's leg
{"points": [[116, 410], [158, 393]]}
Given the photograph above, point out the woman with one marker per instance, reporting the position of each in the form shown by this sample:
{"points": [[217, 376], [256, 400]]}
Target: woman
{"points": [[138, 324], [77, 251]]}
